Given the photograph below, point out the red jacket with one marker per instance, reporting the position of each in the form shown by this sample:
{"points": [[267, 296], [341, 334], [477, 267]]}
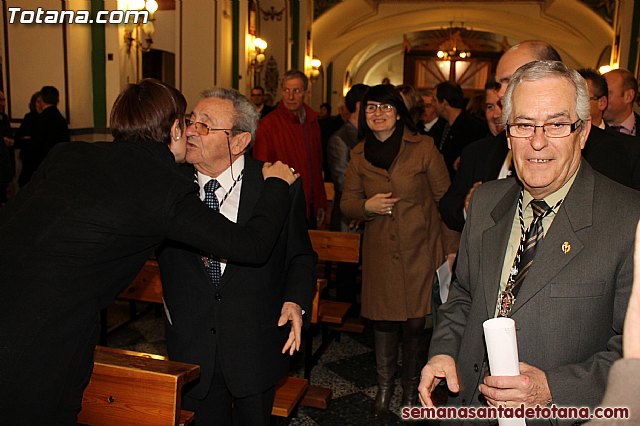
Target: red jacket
{"points": [[281, 136]]}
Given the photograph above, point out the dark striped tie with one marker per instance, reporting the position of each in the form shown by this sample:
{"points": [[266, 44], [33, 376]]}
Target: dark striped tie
{"points": [[212, 264], [533, 236]]}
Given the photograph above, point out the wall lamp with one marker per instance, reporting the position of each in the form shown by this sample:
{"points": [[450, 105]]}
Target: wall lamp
{"points": [[139, 33], [257, 58], [315, 69]]}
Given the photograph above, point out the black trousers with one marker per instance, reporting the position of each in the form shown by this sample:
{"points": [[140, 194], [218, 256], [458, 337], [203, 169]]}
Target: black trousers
{"points": [[221, 408]]}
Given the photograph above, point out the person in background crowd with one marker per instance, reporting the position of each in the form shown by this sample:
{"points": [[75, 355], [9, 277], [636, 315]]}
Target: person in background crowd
{"points": [[292, 133], [393, 183], [486, 159], [623, 91], [328, 125], [338, 156], [573, 274], [598, 95], [247, 306], [462, 128], [430, 123], [413, 101], [79, 232], [7, 158], [50, 128], [257, 97], [24, 134]]}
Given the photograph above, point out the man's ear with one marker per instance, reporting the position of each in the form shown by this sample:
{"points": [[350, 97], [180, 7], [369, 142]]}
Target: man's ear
{"points": [[629, 96], [603, 102], [240, 143]]}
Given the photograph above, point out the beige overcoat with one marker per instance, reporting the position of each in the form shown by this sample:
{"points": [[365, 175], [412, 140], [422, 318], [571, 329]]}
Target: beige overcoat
{"points": [[400, 252]]}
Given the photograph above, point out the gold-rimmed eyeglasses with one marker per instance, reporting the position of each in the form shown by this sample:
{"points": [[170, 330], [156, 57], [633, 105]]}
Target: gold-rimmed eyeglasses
{"points": [[202, 129]]}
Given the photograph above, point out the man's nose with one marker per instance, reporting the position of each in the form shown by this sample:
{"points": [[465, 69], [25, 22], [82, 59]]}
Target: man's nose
{"points": [[539, 139]]}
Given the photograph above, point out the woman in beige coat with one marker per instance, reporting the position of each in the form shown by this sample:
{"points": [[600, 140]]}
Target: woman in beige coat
{"points": [[393, 183]]}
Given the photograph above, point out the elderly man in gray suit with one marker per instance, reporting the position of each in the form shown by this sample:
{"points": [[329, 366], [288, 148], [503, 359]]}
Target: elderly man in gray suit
{"points": [[569, 300]]}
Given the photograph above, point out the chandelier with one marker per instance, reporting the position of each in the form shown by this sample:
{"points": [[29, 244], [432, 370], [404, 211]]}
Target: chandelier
{"points": [[454, 48]]}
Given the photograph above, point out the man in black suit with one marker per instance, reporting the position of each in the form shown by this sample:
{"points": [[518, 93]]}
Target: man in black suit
{"points": [[482, 161], [612, 153], [232, 323], [623, 90], [463, 128], [257, 97], [430, 123], [50, 128], [80, 231]]}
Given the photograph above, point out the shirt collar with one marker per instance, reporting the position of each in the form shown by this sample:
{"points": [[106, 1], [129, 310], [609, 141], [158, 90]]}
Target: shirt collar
{"points": [[552, 199], [224, 179]]}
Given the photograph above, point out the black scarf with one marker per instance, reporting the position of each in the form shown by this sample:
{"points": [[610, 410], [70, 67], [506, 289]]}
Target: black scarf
{"points": [[382, 153]]}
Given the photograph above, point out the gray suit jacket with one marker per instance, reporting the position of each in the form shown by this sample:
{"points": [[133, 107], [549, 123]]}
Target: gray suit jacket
{"points": [[569, 312]]}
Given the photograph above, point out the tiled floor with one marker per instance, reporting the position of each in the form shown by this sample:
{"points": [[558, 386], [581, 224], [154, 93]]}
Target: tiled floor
{"points": [[347, 367]]}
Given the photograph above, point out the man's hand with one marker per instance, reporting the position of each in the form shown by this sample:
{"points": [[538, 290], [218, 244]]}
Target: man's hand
{"points": [[631, 331], [279, 170], [529, 388], [291, 312], [439, 367], [467, 199]]}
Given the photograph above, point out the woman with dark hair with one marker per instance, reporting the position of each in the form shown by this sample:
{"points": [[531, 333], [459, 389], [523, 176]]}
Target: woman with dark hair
{"points": [[393, 183], [77, 234]]}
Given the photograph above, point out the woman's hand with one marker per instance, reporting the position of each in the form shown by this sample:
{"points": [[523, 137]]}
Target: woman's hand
{"points": [[279, 170], [381, 204]]}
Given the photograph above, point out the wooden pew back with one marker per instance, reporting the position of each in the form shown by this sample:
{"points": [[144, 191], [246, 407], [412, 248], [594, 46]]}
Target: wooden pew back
{"points": [[134, 388]]}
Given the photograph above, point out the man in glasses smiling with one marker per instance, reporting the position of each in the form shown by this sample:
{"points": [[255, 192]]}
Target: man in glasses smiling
{"points": [[230, 318], [551, 249]]}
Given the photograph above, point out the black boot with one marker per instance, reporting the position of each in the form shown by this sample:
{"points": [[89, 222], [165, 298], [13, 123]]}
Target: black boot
{"points": [[414, 357], [386, 345]]}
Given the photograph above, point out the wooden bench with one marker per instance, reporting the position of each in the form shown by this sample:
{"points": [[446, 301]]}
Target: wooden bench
{"points": [[129, 387], [333, 246], [330, 246], [147, 287]]}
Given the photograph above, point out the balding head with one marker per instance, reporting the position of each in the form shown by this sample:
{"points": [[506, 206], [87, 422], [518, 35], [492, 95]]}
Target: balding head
{"points": [[623, 89], [520, 54]]}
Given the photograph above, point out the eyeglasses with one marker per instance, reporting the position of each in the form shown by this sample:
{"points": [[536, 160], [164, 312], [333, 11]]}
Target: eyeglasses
{"points": [[551, 130], [595, 98], [202, 129], [384, 108]]}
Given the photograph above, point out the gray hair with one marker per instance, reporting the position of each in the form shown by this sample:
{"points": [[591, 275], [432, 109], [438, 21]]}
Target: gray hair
{"points": [[245, 116], [538, 70], [291, 74]]}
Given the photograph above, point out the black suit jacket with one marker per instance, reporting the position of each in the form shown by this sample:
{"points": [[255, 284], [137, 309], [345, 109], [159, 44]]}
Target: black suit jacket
{"points": [[464, 130], [238, 321], [435, 131], [74, 238], [614, 155], [480, 161]]}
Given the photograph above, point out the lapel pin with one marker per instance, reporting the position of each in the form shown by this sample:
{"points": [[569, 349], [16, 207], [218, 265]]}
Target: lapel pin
{"points": [[566, 247]]}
